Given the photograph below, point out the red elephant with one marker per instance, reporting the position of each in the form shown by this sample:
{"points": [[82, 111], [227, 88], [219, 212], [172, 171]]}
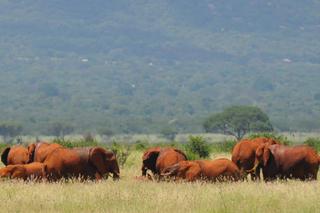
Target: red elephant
{"points": [[16, 155], [36, 152], [157, 159], [39, 151], [85, 163], [243, 154], [31, 171], [212, 170], [284, 162]]}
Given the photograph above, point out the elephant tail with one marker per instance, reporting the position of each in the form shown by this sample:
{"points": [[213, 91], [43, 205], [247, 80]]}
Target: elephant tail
{"points": [[4, 156]]}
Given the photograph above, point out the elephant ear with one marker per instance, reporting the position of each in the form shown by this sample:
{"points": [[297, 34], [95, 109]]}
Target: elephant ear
{"points": [[266, 155], [4, 155], [150, 153], [259, 151], [31, 151], [110, 155], [99, 157]]}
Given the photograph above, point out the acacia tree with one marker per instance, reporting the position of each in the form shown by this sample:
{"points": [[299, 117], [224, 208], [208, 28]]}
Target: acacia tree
{"points": [[238, 120]]}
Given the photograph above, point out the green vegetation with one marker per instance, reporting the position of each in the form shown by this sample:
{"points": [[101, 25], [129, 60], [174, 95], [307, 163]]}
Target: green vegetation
{"points": [[134, 66], [130, 195], [197, 147], [238, 121], [313, 142], [122, 152]]}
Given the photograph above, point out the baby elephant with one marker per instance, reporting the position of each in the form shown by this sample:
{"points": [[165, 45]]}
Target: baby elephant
{"points": [[212, 170], [31, 171]]}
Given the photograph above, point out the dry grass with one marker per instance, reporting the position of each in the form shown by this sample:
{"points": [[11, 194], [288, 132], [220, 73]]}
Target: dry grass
{"points": [[130, 195]]}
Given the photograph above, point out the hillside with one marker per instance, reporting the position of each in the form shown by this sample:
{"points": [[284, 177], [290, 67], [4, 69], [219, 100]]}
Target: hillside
{"points": [[137, 66]]}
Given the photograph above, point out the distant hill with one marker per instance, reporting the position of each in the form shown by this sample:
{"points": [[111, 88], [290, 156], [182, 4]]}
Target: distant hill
{"points": [[139, 66]]}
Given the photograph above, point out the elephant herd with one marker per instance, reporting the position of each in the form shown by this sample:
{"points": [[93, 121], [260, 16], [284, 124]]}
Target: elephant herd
{"points": [[53, 162], [249, 156]]}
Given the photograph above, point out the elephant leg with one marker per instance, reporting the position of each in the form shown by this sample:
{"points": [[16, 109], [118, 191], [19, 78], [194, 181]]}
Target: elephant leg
{"points": [[98, 176], [243, 174]]}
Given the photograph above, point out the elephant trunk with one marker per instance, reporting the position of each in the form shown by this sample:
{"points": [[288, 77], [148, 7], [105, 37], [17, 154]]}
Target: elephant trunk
{"points": [[170, 171], [116, 171], [144, 170]]}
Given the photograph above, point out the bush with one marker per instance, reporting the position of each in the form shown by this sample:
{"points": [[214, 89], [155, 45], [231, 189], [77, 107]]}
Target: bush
{"points": [[197, 146], [141, 145], [191, 155], [313, 142], [121, 151], [280, 138]]}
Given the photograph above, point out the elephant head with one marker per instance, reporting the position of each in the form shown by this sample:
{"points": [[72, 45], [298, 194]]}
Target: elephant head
{"points": [[149, 160], [105, 162], [16, 155], [262, 156]]}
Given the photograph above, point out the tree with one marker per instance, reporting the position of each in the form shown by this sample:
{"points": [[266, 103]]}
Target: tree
{"points": [[238, 120], [9, 130], [197, 146], [60, 129]]}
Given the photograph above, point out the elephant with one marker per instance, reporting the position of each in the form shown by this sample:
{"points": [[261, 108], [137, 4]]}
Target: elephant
{"points": [[284, 162], [211, 170], [36, 152], [243, 155], [39, 151], [16, 155], [85, 163], [157, 159], [31, 171]]}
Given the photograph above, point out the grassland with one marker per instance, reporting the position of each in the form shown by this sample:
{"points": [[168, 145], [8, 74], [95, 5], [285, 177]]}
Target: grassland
{"points": [[130, 195]]}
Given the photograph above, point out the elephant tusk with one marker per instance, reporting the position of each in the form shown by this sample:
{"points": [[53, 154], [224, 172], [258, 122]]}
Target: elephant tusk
{"points": [[253, 169]]}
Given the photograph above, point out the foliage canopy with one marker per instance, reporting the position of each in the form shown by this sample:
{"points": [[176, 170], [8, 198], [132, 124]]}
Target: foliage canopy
{"points": [[238, 121]]}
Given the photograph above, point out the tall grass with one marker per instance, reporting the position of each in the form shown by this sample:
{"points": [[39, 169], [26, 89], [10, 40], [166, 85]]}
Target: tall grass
{"points": [[131, 195]]}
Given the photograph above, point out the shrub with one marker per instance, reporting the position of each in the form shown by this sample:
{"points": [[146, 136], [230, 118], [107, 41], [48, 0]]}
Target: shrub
{"points": [[191, 155], [197, 146], [280, 138], [313, 142], [121, 151], [141, 145]]}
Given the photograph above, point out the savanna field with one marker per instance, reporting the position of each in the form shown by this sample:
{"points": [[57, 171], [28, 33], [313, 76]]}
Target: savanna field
{"points": [[132, 195]]}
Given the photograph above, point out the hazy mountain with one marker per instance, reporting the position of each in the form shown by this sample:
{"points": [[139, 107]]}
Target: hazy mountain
{"points": [[136, 66]]}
